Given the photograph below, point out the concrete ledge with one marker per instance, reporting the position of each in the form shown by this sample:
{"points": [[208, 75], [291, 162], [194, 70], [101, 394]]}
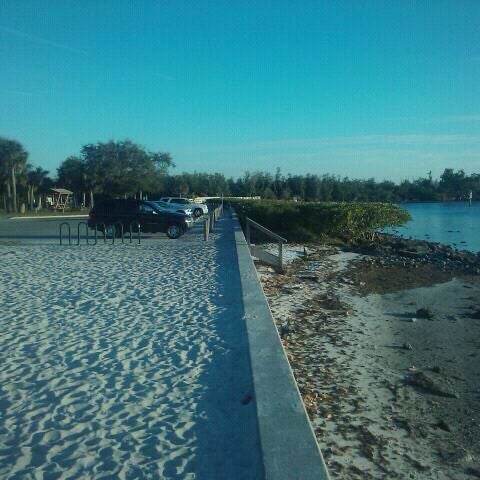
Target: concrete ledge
{"points": [[289, 448], [48, 216]]}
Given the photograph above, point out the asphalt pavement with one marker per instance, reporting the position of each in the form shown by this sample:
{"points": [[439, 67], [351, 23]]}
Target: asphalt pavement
{"points": [[46, 231]]}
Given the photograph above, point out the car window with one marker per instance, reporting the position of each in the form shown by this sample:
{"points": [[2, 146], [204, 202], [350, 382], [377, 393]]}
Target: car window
{"points": [[144, 208], [180, 200]]}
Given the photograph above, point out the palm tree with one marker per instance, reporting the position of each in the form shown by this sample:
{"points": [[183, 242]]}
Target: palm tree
{"points": [[35, 180], [13, 160], [162, 161]]}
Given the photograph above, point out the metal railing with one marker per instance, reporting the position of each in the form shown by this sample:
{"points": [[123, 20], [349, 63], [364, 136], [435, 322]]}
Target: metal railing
{"points": [[210, 219], [103, 228], [275, 261], [69, 233], [86, 234]]}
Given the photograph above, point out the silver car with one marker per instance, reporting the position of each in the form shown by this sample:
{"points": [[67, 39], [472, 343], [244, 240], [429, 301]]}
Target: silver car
{"points": [[198, 209], [170, 207]]}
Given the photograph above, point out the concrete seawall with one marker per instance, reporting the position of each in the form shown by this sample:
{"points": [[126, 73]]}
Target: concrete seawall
{"points": [[289, 448]]}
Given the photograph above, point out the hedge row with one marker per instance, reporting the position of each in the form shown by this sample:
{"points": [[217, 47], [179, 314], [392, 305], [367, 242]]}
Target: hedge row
{"points": [[309, 221]]}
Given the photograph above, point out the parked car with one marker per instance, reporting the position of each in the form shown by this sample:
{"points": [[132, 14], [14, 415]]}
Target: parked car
{"points": [[109, 215], [198, 209], [172, 207]]}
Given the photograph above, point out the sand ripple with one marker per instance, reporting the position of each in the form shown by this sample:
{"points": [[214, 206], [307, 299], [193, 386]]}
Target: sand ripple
{"points": [[101, 352]]}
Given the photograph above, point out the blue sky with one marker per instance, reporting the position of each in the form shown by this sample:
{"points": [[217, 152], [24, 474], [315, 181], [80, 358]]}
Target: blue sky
{"points": [[384, 89]]}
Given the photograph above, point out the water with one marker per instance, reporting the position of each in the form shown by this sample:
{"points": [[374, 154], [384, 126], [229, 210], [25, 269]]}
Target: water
{"points": [[452, 223]]}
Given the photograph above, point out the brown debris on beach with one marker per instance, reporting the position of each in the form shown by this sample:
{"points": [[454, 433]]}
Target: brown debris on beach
{"points": [[379, 409]]}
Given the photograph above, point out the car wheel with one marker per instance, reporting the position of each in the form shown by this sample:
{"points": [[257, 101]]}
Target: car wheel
{"points": [[174, 231], [198, 212]]}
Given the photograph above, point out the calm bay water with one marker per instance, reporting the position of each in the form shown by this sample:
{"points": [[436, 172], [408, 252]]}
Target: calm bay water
{"points": [[453, 223]]}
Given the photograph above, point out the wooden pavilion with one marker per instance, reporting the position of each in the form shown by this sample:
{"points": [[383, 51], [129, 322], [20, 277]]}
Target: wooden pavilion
{"points": [[61, 197]]}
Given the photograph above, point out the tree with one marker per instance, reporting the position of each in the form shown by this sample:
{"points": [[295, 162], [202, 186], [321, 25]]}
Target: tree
{"points": [[296, 185], [115, 168], [71, 174], [36, 178], [269, 194], [162, 161], [278, 183], [312, 187], [453, 184], [13, 161]]}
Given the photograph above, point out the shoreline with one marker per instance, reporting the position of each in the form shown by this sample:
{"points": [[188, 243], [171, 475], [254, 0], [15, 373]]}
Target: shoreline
{"points": [[388, 393]]}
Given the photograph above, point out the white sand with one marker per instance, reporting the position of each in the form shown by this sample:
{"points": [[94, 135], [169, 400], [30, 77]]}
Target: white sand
{"points": [[123, 362]]}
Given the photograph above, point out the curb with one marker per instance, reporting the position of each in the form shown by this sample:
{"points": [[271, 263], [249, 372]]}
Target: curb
{"points": [[288, 443], [48, 216]]}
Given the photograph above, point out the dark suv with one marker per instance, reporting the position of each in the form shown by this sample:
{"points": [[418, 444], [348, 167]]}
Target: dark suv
{"points": [[109, 215]]}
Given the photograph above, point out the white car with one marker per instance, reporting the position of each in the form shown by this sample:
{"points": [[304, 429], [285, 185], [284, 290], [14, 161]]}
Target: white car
{"points": [[198, 209], [173, 207]]}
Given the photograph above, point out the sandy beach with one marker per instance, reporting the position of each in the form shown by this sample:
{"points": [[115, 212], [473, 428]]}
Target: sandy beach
{"points": [[389, 394], [125, 361]]}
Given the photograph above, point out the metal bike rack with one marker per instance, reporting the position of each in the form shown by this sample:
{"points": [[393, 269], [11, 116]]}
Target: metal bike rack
{"points": [[138, 232], [69, 233], [95, 236], [121, 231], [105, 235], [94, 240], [86, 233]]}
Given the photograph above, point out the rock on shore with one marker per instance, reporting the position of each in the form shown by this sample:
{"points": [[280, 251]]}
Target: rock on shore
{"points": [[382, 337]]}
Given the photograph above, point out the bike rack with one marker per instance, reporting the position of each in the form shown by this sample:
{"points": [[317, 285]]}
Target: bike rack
{"points": [[86, 233], [94, 241], [105, 236], [121, 231], [95, 237], [138, 232], [69, 233]]}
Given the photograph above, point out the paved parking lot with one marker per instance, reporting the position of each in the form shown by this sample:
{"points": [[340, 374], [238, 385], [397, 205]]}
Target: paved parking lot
{"points": [[45, 231]]}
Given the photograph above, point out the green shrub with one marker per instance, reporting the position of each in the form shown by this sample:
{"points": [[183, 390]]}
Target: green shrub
{"points": [[301, 221]]}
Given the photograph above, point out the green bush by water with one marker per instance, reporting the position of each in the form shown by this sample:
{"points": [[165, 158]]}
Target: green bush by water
{"points": [[310, 221]]}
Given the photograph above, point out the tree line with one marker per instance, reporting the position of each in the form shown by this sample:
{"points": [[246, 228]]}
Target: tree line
{"points": [[127, 169]]}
